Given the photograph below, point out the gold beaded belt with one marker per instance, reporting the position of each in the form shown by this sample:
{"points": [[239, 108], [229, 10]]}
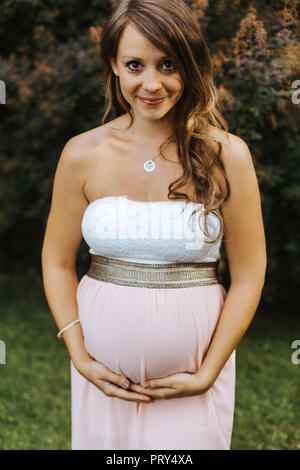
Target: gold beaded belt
{"points": [[160, 276]]}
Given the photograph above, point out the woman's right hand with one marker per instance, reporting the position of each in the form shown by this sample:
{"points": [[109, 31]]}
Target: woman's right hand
{"points": [[110, 383]]}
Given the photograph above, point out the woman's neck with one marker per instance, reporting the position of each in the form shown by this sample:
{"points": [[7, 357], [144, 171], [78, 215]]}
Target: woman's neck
{"points": [[148, 130]]}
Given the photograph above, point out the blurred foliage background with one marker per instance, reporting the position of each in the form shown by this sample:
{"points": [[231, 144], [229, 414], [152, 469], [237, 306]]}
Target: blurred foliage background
{"points": [[49, 60]]}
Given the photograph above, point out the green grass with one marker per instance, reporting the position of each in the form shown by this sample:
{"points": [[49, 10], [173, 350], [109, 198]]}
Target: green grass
{"points": [[35, 396], [35, 381], [268, 384]]}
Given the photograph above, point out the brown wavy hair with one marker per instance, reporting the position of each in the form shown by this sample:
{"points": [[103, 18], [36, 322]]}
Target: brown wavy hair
{"points": [[172, 27]]}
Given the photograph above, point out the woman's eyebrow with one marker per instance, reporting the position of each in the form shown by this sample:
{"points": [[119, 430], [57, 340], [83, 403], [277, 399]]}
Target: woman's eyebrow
{"points": [[137, 58]]}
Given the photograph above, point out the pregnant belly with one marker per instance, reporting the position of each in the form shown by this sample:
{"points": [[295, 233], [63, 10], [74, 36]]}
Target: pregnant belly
{"points": [[147, 333]]}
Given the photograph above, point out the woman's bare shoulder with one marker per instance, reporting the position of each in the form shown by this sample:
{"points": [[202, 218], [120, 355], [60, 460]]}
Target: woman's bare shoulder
{"points": [[84, 145], [232, 145], [86, 142], [235, 155], [219, 135]]}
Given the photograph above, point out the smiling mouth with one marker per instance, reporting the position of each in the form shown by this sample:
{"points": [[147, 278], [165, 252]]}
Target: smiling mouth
{"points": [[152, 101]]}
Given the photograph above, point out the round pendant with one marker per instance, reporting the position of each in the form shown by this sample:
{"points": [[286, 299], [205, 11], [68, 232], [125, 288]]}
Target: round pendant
{"points": [[149, 165]]}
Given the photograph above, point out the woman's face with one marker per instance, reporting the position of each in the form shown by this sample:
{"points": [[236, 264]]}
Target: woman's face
{"points": [[145, 72]]}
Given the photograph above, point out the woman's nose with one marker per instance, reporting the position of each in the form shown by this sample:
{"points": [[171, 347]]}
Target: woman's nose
{"points": [[151, 82]]}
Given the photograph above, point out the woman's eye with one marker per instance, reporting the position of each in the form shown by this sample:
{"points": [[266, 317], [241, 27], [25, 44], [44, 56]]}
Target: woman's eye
{"points": [[134, 62], [170, 65]]}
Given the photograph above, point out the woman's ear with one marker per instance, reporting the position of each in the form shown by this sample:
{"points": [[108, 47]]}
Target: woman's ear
{"points": [[113, 65]]}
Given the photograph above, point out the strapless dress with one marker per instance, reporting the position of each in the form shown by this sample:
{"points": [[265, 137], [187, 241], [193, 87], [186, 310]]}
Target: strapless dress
{"points": [[150, 333]]}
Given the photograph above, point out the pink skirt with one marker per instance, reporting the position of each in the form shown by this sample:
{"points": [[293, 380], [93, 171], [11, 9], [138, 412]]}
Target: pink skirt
{"points": [[150, 333]]}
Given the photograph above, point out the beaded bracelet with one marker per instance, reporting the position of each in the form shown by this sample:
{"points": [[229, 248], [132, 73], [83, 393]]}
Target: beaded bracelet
{"points": [[59, 335]]}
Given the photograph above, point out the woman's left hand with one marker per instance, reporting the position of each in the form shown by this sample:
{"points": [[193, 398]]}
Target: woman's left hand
{"points": [[182, 384]]}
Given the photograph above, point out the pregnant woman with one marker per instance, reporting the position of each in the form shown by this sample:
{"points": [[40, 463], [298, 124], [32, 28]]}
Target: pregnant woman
{"points": [[154, 192]]}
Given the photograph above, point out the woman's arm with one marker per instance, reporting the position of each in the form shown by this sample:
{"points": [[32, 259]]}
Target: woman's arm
{"points": [[61, 242], [245, 245]]}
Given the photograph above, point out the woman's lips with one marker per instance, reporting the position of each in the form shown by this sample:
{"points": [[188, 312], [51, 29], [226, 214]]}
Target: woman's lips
{"points": [[152, 102]]}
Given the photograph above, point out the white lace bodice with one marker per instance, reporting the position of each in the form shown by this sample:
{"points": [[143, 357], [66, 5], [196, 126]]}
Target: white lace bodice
{"points": [[150, 232]]}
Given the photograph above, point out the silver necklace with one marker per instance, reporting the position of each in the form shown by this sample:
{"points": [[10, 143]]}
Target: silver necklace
{"points": [[149, 165]]}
